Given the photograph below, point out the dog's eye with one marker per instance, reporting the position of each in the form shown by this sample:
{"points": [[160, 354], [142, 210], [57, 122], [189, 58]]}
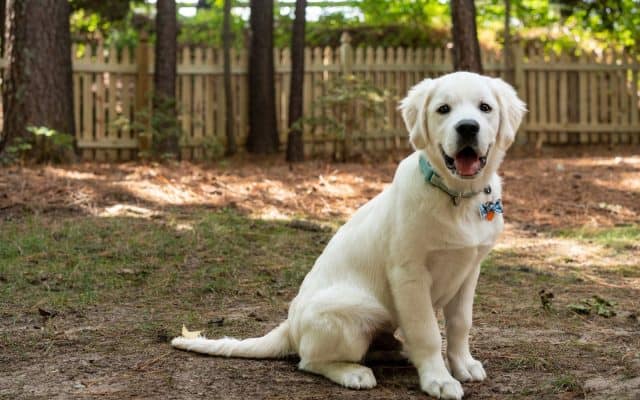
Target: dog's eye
{"points": [[484, 107], [443, 109]]}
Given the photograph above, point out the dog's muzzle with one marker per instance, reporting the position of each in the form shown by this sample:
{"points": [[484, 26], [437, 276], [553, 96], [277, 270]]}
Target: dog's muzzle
{"points": [[467, 162]]}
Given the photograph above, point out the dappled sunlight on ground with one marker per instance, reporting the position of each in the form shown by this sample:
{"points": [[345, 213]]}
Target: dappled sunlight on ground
{"points": [[126, 210], [571, 257], [318, 190], [543, 192]]}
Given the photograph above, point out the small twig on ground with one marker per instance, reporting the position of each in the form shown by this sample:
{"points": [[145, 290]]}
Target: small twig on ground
{"points": [[306, 226], [19, 248], [141, 366]]}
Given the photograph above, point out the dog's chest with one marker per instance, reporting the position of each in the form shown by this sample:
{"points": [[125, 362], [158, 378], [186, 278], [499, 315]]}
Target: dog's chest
{"points": [[450, 268], [454, 252]]}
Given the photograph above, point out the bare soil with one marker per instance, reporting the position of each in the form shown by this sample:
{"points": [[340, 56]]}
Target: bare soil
{"points": [[572, 231]]}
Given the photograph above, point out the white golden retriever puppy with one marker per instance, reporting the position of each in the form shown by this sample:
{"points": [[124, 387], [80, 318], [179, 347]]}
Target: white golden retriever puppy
{"points": [[414, 248]]}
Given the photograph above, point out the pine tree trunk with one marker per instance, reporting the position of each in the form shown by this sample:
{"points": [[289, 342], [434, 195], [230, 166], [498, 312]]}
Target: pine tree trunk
{"points": [[295, 145], [228, 95], [164, 79], [263, 132], [466, 49], [3, 9], [37, 90]]}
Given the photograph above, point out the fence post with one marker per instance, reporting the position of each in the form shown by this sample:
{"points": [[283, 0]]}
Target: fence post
{"points": [[346, 54], [142, 115]]}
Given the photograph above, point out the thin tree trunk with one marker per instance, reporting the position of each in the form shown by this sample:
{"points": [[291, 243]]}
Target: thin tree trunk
{"points": [[466, 49], [295, 145], [164, 79], [227, 38], [263, 132], [203, 5], [507, 52], [3, 9], [37, 90]]}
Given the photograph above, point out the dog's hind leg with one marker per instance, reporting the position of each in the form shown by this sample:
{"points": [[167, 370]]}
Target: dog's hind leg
{"points": [[335, 334]]}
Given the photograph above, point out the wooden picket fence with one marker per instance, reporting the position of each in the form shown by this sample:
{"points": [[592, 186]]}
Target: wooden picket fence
{"points": [[572, 99]]}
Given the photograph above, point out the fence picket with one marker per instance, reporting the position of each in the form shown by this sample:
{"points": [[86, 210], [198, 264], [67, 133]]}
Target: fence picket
{"points": [[563, 102], [87, 133], [583, 99]]}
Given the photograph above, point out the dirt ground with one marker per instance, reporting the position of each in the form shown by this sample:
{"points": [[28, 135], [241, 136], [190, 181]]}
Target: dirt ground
{"points": [[214, 246]]}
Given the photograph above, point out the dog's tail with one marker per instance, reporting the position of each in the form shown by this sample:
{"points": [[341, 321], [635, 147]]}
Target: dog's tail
{"points": [[275, 344]]}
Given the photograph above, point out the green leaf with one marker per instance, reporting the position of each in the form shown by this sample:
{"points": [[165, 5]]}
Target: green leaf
{"points": [[583, 309]]}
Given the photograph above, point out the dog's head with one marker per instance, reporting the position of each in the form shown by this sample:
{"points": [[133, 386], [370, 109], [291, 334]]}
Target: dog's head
{"points": [[463, 121]]}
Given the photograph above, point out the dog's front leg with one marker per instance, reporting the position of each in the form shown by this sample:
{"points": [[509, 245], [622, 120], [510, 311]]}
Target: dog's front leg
{"points": [[458, 319], [411, 290]]}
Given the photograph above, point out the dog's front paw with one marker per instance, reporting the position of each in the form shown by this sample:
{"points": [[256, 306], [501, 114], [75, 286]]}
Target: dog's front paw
{"points": [[440, 385], [467, 369]]}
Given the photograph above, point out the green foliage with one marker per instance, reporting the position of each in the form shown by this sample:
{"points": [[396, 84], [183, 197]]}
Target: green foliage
{"points": [[15, 151], [431, 13], [347, 100], [56, 138], [41, 143], [377, 29], [342, 96], [205, 28], [558, 24], [214, 148], [596, 305], [162, 122], [113, 21], [112, 10], [616, 21]]}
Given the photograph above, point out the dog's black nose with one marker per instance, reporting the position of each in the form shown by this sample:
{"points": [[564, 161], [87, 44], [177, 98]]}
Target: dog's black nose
{"points": [[467, 129]]}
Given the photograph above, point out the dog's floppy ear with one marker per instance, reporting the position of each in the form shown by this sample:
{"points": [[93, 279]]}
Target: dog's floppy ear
{"points": [[413, 112], [512, 110]]}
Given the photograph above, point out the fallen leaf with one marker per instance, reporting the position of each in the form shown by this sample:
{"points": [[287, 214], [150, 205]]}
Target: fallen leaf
{"points": [[47, 313], [188, 334]]}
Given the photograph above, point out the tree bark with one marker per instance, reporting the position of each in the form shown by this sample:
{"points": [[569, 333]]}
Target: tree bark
{"points": [[3, 9], [37, 90], [263, 132], [164, 79], [228, 95], [466, 49], [295, 145], [507, 52]]}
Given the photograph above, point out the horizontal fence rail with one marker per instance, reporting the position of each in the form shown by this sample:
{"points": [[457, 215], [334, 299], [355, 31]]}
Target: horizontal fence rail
{"points": [[572, 99]]}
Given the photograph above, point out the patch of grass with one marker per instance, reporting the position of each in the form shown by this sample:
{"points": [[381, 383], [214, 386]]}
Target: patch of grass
{"points": [[69, 263], [527, 363], [617, 238], [625, 271], [507, 267], [565, 383]]}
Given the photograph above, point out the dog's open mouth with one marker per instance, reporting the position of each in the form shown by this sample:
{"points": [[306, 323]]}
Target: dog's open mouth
{"points": [[466, 163]]}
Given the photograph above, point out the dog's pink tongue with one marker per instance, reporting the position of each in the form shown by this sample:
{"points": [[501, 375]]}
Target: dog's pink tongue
{"points": [[467, 163]]}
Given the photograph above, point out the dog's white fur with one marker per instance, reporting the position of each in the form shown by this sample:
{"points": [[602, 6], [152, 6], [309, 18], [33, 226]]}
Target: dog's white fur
{"points": [[404, 254]]}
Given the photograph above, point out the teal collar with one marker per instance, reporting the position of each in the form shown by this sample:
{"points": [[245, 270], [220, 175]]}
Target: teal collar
{"points": [[431, 177]]}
